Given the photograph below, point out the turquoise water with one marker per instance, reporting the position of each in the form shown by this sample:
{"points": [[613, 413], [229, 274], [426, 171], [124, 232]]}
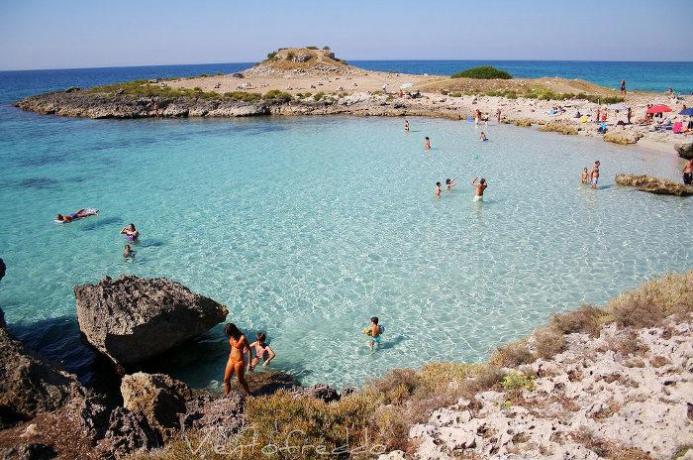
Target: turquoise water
{"points": [[306, 227]]}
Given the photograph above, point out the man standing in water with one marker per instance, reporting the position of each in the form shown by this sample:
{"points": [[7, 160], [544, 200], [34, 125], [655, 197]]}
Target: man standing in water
{"points": [[594, 174], [479, 188]]}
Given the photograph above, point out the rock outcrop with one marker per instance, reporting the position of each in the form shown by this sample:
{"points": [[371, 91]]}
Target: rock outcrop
{"points": [[132, 319], [622, 136], [28, 385], [685, 150], [559, 127], [654, 185], [623, 395]]}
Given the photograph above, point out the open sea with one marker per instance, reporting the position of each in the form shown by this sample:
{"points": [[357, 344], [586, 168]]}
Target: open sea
{"points": [[306, 227]]}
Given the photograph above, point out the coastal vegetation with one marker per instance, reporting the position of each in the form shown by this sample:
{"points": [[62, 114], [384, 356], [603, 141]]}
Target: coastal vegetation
{"points": [[378, 417], [485, 72]]}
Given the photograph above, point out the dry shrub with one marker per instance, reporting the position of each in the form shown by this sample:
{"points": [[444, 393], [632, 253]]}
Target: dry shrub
{"points": [[659, 361], [606, 448], [630, 344], [647, 305], [512, 355], [548, 342], [587, 319]]}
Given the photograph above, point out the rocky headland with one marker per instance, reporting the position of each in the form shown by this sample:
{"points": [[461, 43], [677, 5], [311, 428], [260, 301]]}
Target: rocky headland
{"points": [[302, 82]]}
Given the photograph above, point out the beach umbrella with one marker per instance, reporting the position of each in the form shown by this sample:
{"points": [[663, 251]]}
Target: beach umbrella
{"points": [[406, 85], [618, 106], [659, 108], [688, 111]]}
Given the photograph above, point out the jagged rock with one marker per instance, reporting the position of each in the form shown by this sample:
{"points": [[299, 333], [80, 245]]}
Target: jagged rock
{"points": [[29, 452], [654, 185], [622, 136], [127, 432], [685, 150], [160, 398], [132, 319], [222, 416], [559, 127], [322, 391], [265, 383], [27, 384]]}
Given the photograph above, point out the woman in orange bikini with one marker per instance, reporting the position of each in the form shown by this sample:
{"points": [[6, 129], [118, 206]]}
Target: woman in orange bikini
{"points": [[237, 358]]}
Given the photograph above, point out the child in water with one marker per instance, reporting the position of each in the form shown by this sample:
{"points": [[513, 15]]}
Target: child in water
{"points": [[483, 137], [262, 351], [427, 143], [128, 252], [437, 191], [585, 176], [450, 184], [374, 331]]}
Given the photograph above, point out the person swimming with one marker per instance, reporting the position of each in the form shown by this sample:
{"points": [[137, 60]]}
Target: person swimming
{"points": [[239, 357], [427, 143], [80, 214], [479, 188], [450, 184], [406, 126], [594, 174], [585, 176], [128, 252], [437, 190], [374, 331], [483, 137], [262, 351], [130, 232]]}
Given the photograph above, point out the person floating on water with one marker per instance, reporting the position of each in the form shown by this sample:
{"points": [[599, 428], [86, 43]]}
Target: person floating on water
{"points": [[427, 143], [437, 190], [688, 172], [130, 232], [239, 357], [82, 213], [585, 176], [594, 174], [450, 184], [479, 188], [483, 137], [128, 253], [406, 126], [262, 351], [374, 331]]}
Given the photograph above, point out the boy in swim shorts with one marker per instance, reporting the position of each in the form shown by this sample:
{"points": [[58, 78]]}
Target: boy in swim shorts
{"points": [[262, 351], [374, 331], [594, 174], [479, 188]]}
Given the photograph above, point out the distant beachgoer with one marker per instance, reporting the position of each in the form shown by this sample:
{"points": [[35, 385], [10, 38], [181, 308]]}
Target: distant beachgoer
{"points": [[604, 115], [628, 115], [483, 137], [406, 126], [450, 184], [597, 119], [130, 232], [498, 115], [237, 358], [687, 173], [477, 116], [671, 91], [427, 143], [594, 174], [585, 176], [263, 352], [479, 188], [128, 252], [437, 191], [374, 331], [385, 88], [623, 87]]}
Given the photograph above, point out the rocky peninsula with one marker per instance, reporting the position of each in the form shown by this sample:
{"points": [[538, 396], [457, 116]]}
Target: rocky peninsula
{"points": [[302, 81], [613, 382]]}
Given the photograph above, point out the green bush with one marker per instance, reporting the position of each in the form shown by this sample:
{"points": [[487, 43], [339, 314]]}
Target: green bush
{"points": [[485, 72], [319, 95], [326, 48], [272, 56], [517, 381], [277, 96], [311, 47], [242, 96]]}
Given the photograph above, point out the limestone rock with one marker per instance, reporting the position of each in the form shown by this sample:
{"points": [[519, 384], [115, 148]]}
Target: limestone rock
{"points": [[685, 150], [127, 432], [323, 392], [132, 319], [622, 136], [654, 185]]}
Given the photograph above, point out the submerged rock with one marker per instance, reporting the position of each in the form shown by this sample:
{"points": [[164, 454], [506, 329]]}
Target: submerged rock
{"points": [[654, 185], [132, 319]]}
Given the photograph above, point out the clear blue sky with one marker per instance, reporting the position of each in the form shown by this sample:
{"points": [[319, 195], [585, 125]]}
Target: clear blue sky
{"points": [[39, 34]]}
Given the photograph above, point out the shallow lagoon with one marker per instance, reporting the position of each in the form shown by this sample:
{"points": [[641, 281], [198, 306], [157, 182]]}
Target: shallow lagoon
{"points": [[306, 227]]}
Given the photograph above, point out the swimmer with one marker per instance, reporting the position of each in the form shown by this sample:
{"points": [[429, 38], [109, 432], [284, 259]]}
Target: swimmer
{"points": [[80, 214], [437, 190], [688, 173], [128, 252], [585, 176], [237, 358], [131, 232], [594, 174], [427, 143], [406, 126], [374, 331], [262, 352], [479, 188], [61, 218], [483, 137], [450, 184]]}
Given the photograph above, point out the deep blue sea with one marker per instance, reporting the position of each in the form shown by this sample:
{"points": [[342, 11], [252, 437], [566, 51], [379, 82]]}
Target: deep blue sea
{"points": [[306, 227]]}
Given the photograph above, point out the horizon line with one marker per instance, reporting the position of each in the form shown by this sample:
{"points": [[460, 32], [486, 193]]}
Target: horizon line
{"points": [[348, 62]]}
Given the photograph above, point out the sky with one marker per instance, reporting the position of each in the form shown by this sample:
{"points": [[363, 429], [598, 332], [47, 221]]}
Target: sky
{"points": [[46, 34]]}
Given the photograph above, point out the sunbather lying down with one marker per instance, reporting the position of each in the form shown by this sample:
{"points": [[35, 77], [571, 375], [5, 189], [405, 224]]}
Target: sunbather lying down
{"points": [[82, 213]]}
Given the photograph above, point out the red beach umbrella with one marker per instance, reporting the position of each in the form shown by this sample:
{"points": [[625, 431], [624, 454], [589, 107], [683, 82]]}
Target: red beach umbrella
{"points": [[659, 108]]}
